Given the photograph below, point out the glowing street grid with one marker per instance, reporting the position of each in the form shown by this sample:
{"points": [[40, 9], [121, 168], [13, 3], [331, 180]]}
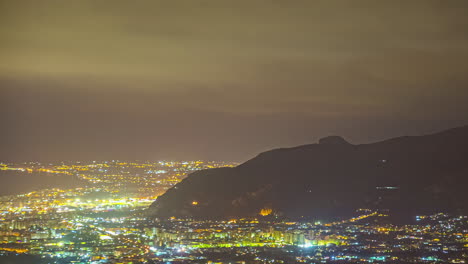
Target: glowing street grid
{"points": [[103, 220]]}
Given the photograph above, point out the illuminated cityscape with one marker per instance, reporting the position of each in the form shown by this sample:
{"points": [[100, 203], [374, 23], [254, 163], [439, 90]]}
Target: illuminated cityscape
{"points": [[104, 221], [77, 222]]}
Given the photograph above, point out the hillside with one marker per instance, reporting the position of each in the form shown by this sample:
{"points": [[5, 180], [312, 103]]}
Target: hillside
{"points": [[332, 179]]}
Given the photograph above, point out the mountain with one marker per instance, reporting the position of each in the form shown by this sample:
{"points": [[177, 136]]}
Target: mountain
{"points": [[406, 175]]}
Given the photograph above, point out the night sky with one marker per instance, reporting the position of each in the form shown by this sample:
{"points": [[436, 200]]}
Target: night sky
{"points": [[224, 80]]}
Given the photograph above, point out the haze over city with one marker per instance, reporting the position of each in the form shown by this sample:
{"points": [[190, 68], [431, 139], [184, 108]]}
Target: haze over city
{"points": [[224, 79]]}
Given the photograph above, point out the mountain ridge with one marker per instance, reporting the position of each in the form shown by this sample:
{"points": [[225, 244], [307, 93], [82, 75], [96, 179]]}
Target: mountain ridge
{"points": [[331, 179]]}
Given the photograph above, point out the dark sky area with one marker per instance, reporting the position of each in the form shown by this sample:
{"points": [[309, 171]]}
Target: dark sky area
{"points": [[224, 80]]}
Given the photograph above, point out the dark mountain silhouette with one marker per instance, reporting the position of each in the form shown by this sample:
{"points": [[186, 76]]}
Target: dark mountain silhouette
{"points": [[407, 175]]}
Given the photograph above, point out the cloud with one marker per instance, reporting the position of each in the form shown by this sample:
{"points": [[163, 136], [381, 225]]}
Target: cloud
{"points": [[263, 64]]}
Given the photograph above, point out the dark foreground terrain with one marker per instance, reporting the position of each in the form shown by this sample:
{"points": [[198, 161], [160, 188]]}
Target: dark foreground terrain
{"points": [[407, 175]]}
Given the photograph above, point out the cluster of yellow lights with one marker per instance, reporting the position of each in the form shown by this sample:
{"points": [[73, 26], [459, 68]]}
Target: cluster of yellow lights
{"points": [[354, 219], [17, 250], [194, 203], [266, 211]]}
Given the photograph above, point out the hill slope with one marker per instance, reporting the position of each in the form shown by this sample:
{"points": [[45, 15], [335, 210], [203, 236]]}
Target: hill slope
{"points": [[332, 179]]}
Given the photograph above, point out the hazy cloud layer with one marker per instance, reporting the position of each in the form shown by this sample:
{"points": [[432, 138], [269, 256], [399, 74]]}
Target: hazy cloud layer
{"points": [[224, 79]]}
